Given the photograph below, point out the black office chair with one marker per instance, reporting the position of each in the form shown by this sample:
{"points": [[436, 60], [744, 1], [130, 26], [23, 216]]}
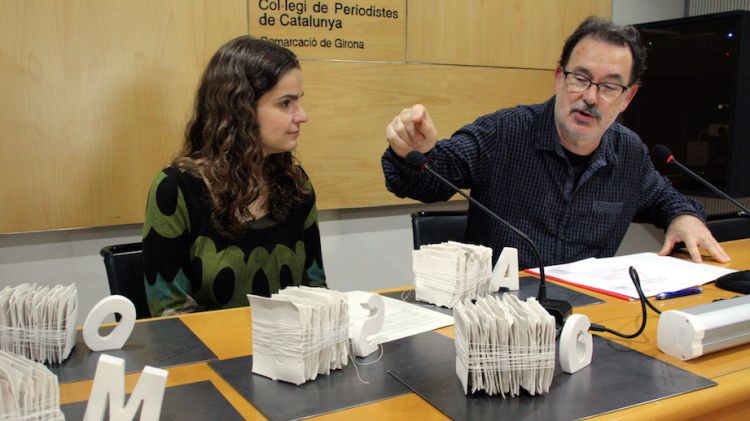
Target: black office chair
{"points": [[729, 229], [124, 264], [431, 227]]}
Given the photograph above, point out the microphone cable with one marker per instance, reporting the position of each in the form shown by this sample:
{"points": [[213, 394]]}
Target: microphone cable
{"points": [[644, 302]]}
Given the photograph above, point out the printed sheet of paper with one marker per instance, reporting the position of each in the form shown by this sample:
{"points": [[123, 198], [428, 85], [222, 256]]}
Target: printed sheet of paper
{"points": [[402, 319], [657, 274]]}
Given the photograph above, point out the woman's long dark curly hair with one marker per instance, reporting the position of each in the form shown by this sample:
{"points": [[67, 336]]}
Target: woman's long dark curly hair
{"points": [[222, 140]]}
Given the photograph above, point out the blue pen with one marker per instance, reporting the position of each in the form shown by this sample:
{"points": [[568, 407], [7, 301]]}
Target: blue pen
{"points": [[680, 293]]}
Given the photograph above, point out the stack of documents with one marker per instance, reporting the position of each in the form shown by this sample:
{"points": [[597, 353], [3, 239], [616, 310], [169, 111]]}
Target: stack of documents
{"points": [[28, 390], [448, 273], [611, 275], [504, 345], [38, 322], [299, 333]]}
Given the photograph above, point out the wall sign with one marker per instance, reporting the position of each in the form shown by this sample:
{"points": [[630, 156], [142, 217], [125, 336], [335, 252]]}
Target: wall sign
{"points": [[333, 29]]}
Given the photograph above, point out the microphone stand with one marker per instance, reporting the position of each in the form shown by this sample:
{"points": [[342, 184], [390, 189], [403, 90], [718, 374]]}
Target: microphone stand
{"points": [[559, 309], [727, 282], [744, 211]]}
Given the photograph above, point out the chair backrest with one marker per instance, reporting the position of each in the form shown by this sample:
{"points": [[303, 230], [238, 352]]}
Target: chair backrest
{"points": [[729, 229], [437, 227], [124, 264]]}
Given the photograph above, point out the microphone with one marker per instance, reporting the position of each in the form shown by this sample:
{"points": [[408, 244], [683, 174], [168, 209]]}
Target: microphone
{"points": [[662, 153], [736, 281], [558, 308]]}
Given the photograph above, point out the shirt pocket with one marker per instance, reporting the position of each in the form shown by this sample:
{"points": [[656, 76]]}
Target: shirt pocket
{"points": [[610, 208], [606, 219]]}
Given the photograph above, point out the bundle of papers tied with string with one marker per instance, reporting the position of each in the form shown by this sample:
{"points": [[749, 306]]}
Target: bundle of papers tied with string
{"points": [[299, 333], [448, 273], [28, 390], [39, 322], [504, 345]]}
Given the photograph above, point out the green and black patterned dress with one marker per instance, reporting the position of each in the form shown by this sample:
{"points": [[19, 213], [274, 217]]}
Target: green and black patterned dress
{"points": [[190, 267]]}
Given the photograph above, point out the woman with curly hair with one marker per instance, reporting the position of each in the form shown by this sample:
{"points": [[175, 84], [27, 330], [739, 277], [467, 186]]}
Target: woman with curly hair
{"points": [[234, 213]]}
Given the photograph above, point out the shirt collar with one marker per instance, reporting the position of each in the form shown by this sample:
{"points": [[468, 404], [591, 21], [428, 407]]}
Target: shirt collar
{"points": [[549, 140]]}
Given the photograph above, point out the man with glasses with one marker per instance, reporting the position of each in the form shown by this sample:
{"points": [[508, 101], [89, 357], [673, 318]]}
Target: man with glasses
{"points": [[564, 171]]}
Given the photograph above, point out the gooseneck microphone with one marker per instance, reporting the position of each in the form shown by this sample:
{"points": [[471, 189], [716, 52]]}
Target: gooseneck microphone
{"points": [[662, 153], [736, 281], [558, 308]]}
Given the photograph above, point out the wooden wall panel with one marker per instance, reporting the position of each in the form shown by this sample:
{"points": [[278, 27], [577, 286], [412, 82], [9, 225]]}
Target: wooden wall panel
{"points": [[342, 143], [507, 33], [95, 98], [96, 93]]}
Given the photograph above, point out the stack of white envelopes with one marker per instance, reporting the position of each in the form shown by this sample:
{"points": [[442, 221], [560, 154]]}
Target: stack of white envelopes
{"points": [[28, 390], [451, 272], [39, 322], [299, 333], [504, 345]]}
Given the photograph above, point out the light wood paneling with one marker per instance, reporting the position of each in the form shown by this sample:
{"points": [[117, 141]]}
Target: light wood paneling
{"points": [[379, 26], [506, 33], [351, 103], [96, 95]]}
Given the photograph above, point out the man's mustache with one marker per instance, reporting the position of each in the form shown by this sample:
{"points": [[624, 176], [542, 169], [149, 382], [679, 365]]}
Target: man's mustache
{"points": [[587, 108]]}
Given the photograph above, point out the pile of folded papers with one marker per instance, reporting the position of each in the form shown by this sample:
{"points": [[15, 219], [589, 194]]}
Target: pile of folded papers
{"points": [[448, 273], [299, 333], [28, 390], [504, 345], [39, 322]]}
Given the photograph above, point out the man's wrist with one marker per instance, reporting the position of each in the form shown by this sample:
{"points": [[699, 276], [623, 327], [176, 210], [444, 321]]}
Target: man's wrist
{"points": [[686, 213]]}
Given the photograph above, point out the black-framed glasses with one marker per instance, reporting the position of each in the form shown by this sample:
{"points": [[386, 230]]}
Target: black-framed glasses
{"points": [[608, 91]]}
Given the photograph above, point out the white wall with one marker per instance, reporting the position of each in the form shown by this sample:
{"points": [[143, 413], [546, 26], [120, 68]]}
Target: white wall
{"points": [[363, 249], [63, 257], [640, 11]]}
